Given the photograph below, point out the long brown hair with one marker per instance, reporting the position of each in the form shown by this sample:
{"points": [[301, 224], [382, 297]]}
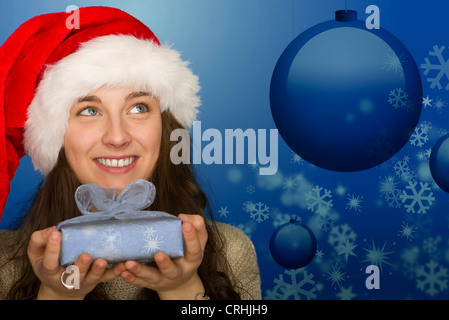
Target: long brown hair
{"points": [[177, 191]]}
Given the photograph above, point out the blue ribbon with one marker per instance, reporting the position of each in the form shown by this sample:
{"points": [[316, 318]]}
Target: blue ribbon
{"points": [[97, 203]]}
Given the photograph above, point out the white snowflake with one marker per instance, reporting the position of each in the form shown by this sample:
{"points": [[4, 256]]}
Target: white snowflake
{"points": [[418, 197], [398, 98], [151, 243], [394, 199], [340, 234], [223, 212], [149, 232], [336, 275], [317, 202], [419, 137], [394, 63], [294, 289], [439, 105], [289, 183], [259, 212], [250, 189], [431, 281], [354, 202], [111, 239], [427, 102], [407, 231], [248, 206], [377, 255], [346, 248], [442, 67], [401, 168], [388, 185]]}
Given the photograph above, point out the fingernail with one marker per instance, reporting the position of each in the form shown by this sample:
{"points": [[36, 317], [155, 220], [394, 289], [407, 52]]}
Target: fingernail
{"points": [[48, 230], [54, 236], [85, 260], [185, 217]]}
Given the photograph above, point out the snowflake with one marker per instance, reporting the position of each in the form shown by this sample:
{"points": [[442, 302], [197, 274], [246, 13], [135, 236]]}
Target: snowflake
{"points": [[346, 294], [394, 63], [296, 159], [398, 98], [341, 234], [317, 202], [426, 126], [407, 231], [377, 255], [284, 290], [259, 212], [417, 197], [151, 243], [427, 101], [419, 137], [394, 199], [289, 183], [346, 249], [442, 67], [401, 168], [388, 185], [439, 105], [433, 280], [223, 212], [248, 206], [250, 189], [325, 221], [430, 245], [354, 202], [336, 275], [111, 238]]}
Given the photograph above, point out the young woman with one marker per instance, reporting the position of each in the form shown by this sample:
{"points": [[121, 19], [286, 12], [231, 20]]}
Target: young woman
{"points": [[102, 103]]}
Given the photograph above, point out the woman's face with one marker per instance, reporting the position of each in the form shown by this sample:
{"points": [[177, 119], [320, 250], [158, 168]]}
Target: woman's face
{"points": [[113, 137]]}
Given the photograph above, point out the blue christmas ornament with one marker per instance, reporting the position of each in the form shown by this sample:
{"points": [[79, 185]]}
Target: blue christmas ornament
{"points": [[346, 98], [293, 245], [439, 163]]}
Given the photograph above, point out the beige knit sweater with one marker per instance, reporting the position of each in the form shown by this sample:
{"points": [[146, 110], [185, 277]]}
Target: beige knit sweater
{"points": [[239, 250]]}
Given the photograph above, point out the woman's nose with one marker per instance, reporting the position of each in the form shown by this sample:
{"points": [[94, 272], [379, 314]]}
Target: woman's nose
{"points": [[116, 133]]}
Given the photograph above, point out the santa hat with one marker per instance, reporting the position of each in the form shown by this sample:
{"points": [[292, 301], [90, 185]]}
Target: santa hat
{"points": [[46, 65]]}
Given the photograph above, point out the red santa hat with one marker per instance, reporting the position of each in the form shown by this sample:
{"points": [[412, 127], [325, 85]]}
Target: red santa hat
{"points": [[46, 66]]}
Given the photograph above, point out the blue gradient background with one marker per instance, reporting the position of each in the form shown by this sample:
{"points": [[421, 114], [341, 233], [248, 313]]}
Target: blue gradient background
{"points": [[233, 46]]}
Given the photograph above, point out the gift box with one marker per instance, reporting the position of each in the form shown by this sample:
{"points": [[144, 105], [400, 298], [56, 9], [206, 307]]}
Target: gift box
{"points": [[117, 228]]}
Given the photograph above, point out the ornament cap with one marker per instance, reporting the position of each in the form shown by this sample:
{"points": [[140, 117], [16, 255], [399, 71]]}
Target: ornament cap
{"points": [[345, 15]]}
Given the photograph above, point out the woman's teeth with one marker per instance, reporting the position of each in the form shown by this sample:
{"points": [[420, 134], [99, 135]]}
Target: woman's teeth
{"points": [[116, 163]]}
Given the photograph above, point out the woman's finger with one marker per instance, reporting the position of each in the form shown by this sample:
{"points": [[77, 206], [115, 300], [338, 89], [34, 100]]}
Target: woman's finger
{"points": [[194, 250], [166, 266], [38, 241], [140, 274], [50, 262], [96, 271], [199, 225], [83, 263]]}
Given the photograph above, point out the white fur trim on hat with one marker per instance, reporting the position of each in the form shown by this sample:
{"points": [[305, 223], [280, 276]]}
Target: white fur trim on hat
{"points": [[113, 60]]}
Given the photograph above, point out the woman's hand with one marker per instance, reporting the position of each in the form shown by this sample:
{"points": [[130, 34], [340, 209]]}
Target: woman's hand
{"points": [[43, 252], [174, 279]]}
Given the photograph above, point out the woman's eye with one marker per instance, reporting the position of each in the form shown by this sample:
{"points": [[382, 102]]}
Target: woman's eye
{"points": [[139, 108], [90, 111]]}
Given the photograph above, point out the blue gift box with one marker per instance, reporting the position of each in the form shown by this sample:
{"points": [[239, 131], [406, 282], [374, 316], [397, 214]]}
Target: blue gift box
{"points": [[116, 228]]}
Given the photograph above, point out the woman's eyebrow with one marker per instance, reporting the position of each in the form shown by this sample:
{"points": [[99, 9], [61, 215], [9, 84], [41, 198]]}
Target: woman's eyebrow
{"points": [[89, 99], [137, 94]]}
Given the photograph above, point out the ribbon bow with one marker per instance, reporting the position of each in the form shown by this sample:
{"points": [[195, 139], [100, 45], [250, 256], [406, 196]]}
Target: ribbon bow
{"points": [[134, 198]]}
